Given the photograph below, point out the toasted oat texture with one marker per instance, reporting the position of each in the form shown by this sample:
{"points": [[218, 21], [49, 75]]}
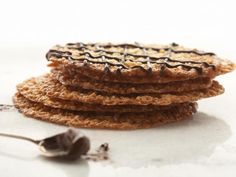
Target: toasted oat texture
{"points": [[35, 91], [125, 88], [103, 121], [136, 63], [55, 89]]}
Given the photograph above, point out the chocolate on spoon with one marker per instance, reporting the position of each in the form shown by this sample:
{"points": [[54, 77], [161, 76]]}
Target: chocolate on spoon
{"points": [[71, 144]]}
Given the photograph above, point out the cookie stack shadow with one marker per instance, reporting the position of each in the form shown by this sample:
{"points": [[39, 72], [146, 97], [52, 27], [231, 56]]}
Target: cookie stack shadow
{"points": [[121, 86]]}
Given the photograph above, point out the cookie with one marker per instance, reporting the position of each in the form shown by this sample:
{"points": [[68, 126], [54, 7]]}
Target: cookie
{"points": [[55, 89], [136, 63], [121, 88], [103, 121], [36, 92]]}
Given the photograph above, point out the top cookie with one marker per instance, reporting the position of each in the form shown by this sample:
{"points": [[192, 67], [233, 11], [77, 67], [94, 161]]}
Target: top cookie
{"points": [[136, 63]]}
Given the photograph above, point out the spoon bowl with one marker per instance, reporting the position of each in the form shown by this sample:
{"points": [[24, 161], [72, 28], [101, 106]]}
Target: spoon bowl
{"points": [[71, 144]]}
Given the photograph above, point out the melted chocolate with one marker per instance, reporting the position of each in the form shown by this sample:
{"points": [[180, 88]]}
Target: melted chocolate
{"points": [[147, 60], [72, 142], [51, 53]]}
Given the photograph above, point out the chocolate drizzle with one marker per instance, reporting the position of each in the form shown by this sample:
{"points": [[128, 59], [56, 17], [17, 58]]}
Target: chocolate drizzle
{"points": [[82, 45], [145, 53], [102, 53]]}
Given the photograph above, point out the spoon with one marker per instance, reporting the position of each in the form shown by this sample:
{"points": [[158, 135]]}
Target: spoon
{"points": [[68, 145]]}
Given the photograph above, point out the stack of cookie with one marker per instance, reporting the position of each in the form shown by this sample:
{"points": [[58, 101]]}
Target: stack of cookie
{"points": [[121, 86]]}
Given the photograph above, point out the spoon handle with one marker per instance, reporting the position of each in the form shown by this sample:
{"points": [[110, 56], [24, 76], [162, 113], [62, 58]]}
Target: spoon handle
{"points": [[19, 137]]}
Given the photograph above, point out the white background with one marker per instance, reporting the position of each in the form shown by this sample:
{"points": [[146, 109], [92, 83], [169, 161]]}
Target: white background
{"points": [[208, 24], [205, 146]]}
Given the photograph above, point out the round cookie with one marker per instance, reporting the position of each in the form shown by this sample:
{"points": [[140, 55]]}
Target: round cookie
{"points": [[121, 88], [36, 92], [103, 121], [136, 63], [55, 89]]}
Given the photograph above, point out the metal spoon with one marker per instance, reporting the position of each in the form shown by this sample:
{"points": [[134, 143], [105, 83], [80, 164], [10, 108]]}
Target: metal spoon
{"points": [[71, 144]]}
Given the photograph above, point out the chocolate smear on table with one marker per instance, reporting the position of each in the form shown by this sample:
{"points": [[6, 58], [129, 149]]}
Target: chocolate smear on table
{"points": [[100, 154], [6, 107]]}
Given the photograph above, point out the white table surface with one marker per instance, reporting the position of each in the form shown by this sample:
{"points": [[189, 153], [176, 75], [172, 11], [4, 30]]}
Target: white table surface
{"points": [[204, 146]]}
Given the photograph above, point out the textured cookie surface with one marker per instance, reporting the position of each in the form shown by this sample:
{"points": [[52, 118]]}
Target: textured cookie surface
{"points": [[55, 89], [136, 63], [105, 121], [35, 91], [122, 88]]}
